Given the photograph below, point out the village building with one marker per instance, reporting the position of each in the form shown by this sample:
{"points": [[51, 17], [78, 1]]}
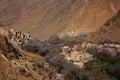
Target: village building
{"points": [[66, 50], [79, 64], [18, 37], [75, 56], [76, 47]]}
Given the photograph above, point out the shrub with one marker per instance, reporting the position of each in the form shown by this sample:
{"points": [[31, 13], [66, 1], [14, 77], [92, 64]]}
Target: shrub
{"points": [[113, 72], [92, 50], [1, 24], [72, 40], [42, 48], [54, 40], [68, 69], [95, 64]]}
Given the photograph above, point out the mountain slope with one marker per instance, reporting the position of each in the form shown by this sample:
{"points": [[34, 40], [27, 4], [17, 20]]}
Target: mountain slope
{"points": [[110, 31], [48, 17], [12, 10], [16, 64]]}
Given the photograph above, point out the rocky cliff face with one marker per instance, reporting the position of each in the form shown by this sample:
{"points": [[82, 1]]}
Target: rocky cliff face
{"points": [[48, 17]]}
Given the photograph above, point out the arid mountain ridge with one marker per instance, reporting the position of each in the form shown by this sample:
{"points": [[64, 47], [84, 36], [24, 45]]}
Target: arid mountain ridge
{"points": [[43, 18], [110, 31]]}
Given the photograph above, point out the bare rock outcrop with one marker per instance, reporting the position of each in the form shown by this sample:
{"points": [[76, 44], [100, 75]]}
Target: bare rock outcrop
{"points": [[7, 48]]}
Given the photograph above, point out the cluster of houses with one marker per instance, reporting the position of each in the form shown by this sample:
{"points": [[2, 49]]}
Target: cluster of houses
{"points": [[15, 36], [19, 37], [77, 54]]}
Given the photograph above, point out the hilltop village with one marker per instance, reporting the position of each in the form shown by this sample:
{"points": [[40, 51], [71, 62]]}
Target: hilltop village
{"points": [[17, 37]]}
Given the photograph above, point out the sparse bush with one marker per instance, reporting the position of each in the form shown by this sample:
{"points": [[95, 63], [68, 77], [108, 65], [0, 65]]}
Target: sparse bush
{"points": [[106, 61], [107, 24], [54, 40], [103, 41], [1, 24], [113, 72], [95, 64], [72, 40], [92, 50], [104, 54], [68, 69], [42, 48]]}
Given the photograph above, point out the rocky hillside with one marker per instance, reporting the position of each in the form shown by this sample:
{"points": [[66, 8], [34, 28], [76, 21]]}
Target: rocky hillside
{"points": [[110, 31], [48, 17], [7, 49], [21, 65]]}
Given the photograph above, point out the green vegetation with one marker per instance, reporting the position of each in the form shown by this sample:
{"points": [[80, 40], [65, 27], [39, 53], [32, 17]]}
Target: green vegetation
{"points": [[105, 67], [95, 64], [116, 64], [111, 77]]}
